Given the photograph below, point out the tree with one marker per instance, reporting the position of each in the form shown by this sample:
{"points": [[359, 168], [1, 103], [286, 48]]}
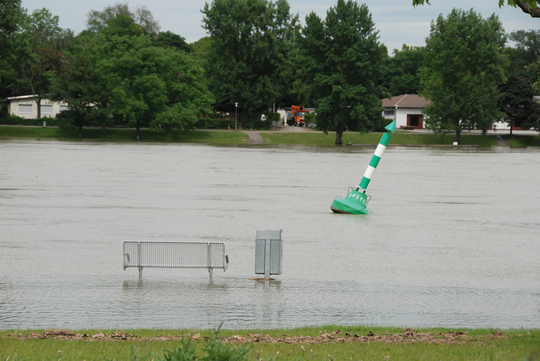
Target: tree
{"points": [[401, 70], [525, 56], [172, 40], [531, 7], [517, 104], [98, 20], [11, 14], [40, 53], [343, 65], [464, 62], [81, 87], [123, 74], [527, 43], [249, 61]]}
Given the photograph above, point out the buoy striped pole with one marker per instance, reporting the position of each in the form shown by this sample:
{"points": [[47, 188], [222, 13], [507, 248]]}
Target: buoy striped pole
{"points": [[377, 156]]}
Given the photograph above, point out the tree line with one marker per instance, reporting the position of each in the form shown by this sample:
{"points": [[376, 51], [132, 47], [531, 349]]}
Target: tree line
{"points": [[123, 70]]}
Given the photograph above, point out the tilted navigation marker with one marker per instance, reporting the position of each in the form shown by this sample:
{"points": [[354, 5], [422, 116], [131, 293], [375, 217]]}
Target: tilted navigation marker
{"points": [[355, 202]]}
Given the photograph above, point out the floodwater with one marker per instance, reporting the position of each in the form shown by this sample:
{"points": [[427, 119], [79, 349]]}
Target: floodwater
{"points": [[453, 238]]}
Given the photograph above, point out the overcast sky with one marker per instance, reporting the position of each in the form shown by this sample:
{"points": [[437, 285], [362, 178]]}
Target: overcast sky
{"points": [[398, 21]]}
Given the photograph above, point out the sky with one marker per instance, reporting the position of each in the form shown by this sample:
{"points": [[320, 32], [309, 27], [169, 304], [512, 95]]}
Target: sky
{"points": [[397, 21]]}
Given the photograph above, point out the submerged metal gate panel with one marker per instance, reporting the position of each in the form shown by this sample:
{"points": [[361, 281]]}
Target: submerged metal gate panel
{"points": [[143, 254]]}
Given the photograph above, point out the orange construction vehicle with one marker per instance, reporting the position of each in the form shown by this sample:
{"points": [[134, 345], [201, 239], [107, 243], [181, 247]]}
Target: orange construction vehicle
{"points": [[296, 117]]}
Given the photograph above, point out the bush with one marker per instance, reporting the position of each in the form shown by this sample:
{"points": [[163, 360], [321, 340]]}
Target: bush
{"points": [[272, 117], [186, 352], [215, 350], [16, 120], [207, 123], [309, 119]]}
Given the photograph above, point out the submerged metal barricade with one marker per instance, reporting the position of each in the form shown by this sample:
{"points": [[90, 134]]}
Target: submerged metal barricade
{"points": [[141, 254]]}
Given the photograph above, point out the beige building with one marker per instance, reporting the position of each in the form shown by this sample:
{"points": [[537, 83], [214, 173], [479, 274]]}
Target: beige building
{"points": [[406, 110], [25, 106]]}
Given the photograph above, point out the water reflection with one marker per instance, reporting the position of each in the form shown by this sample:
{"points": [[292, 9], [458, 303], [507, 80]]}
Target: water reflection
{"points": [[452, 239], [268, 308]]}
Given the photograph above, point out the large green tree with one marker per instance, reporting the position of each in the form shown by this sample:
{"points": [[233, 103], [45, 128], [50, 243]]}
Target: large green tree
{"points": [[42, 43], [343, 66], [525, 56], [122, 73], [401, 70], [98, 20], [168, 39], [82, 87], [531, 7], [463, 65], [11, 15], [517, 103], [248, 61]]}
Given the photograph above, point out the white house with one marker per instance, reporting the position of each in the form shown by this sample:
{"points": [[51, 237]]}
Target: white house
{"points": [[25, 106], [406, 110]]}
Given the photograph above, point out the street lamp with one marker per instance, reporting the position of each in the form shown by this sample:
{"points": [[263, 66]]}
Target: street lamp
{"points": [[235, 113]]}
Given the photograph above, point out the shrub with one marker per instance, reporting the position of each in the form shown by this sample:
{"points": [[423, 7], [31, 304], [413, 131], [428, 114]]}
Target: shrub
{"points": [[207, 123], [16, 120], [186, 352], [215, 350]]}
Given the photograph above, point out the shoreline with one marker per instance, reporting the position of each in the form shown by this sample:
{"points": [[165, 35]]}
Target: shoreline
{"points": [[283, 136]]}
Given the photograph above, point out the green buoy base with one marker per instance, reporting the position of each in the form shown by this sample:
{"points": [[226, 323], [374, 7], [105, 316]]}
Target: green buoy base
{"points": [[354, 203]]}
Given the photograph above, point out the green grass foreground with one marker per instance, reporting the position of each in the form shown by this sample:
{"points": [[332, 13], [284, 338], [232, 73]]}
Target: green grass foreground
{"points": [[480, 344], [127, 135], [400, 138]]}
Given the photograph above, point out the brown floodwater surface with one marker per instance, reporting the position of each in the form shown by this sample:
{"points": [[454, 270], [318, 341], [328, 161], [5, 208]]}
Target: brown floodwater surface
{"points": [[453, 238]]}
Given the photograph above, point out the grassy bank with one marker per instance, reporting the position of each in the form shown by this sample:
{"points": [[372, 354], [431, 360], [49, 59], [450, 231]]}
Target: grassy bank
{"points": [[522, 140], [374, 138], [127, 135], [312, 343], [238, 137]]}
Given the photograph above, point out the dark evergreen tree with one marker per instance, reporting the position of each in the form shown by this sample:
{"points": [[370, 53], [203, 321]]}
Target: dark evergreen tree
{"points": [[343, 66], [517, 103]]}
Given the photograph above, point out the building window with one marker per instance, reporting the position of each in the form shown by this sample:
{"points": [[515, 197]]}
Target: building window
{"points": [[389, 113], [64, 107], [46, 109], [25, 108]]}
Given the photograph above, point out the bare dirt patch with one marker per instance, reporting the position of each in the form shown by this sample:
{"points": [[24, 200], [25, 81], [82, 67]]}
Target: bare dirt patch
{"points": [[408, 336]]}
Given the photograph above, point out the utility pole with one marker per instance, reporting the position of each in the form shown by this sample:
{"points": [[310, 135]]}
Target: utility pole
{"points": [[235, 114]]}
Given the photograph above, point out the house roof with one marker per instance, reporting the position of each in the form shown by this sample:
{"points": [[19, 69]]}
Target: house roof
{"points": [[22, 97], [405, 101]]}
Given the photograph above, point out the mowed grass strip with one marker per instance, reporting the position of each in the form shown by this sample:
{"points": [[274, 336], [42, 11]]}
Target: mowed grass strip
{"points": [[237, 137], [522, 140], [400, 138], [479, 344], [127, 135]]}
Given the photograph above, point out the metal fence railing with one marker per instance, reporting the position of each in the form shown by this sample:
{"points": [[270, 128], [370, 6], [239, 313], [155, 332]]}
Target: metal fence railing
{"points": [[141, 254]]}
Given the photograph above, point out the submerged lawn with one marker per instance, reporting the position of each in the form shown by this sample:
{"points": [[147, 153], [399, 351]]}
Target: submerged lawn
{"points": [[324, 343]]}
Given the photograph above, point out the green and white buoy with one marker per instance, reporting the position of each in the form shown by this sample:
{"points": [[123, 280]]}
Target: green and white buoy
{"points": [[355, 202]]}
